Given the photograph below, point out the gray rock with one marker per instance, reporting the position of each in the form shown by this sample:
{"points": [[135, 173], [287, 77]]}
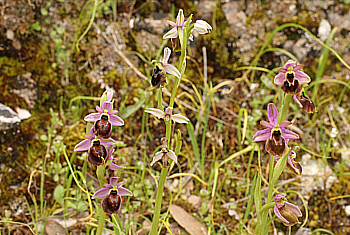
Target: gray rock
{"points": [[25, 87], [324, 30], [205, 10], [236, 17], [304, 231], [336, 20], [9, 34], [8, 118], [148, 42], [156, 24]]}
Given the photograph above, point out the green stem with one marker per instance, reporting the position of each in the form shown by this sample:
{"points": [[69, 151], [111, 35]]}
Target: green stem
{"points": [[264, 214], [285, 106], [160, 106], [159, 196], [101, 222]]}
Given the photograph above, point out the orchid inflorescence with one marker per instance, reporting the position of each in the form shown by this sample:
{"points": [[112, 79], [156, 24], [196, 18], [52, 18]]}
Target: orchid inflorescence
{"points": [[100, 147], [277, 137]]}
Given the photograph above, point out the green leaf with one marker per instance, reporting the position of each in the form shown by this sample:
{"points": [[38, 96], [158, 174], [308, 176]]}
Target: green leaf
{"points": [[128, 111], [178, 142], [280, 165], [100, 172], [58, 194], [44, 12]]}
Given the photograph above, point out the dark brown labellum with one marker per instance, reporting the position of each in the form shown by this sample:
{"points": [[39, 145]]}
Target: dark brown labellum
{"points": [[97, 152], [291, 85], [112, 202], [103, 127], [306, 102], [158, 77], [276, 144]]}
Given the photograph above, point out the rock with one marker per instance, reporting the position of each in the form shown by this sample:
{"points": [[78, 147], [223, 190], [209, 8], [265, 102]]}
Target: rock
{"points": [[347, 210], [235, 17], [54, 228], [148, 42], [205, 10], [315, 174], [146, 227], [187, 221], [304, 231], [8, 117], [156, 23], [337, 20], [195, 200], [9, 34], [324, 30], [25, 87], [23, 113], [16, 44]]}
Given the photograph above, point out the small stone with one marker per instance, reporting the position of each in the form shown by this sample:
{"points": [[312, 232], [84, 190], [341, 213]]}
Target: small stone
{"points": [[347, 210], [23, 113], [53, 228], [10, 35], [16, 44], [196, 201], [324, 30], [8, 117], [304, 231], [235, 17]]}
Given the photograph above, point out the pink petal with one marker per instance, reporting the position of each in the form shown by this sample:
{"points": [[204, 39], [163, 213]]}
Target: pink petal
{"points": [[298, 67], [99, 109], [171, 69], [172, 33], [113, 180], [107, 105], [109, 94], [92, 117], [180, 18], [171, 155], [296, 100], [262, 135], [279, 215], [155, 112], [103, 192], [107, 142], [279, 78], [282, 70], [172, 23], [124, 192], [284, 124], [272, 113], [287, 134], [166, 56], [293, 208], [116, 121], [115, 167], [302, 77], [267, 124], [289, 63], [179, 118], [113, 112], [83, 145]]}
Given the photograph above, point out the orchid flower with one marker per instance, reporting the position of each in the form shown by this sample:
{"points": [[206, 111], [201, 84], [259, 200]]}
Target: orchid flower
{"points": [[275, 134], [164, 154], [112, 194], [180, 22], [167, 114], [287, 212], [291, 78], [304, 102], [169, 68], [202, 27], [104, 120], [292, 164], [97, 148]]}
